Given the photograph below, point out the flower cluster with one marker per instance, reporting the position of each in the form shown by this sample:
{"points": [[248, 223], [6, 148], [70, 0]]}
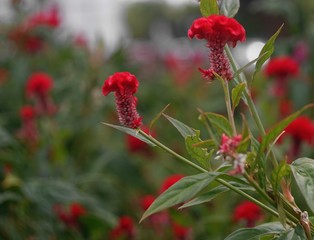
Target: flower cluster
{"points": [[228, 150], [70, 216], [124, 85], [218, 31], [248, 212]]}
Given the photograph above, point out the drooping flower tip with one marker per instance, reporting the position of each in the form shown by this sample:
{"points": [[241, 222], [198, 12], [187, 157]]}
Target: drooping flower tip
{"points": [[38, 83], [27, 112], [282, 67], [121, 82], [248, 212], [217, 28]]}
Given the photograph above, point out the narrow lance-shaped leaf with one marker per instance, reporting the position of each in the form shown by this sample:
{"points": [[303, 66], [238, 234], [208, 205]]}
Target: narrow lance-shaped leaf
{"points": [[258, 231], [157, 116], [185, 189], [181, 127], [220, 123], [236, 94], [132, 132], [268, 49], [230, 8], [209, 7], [303, 173]]}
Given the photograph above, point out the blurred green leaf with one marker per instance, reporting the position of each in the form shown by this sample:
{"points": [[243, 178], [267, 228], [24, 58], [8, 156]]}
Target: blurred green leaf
{"points": [[236, 94], [205, 144], [9, 196], [184, 189], [267, 51], [296, 233], [132, 132], [209, 7], [219, 123], [230, 8], [271, 228], [181, 127], [303, 173]]}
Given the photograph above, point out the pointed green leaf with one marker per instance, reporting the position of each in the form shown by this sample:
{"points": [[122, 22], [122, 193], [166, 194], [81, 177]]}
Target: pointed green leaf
{"points": [[206, 197], [183, 190], [236, 94], [132, 132], [269, 48], [230, 8], [277, 130], [258, 231], [278, 174], [281, 211], [181, 127], [199, 154], [210, 143], [209, 7], [303, 173], [158, 116], [220, 123], [293, 234]]}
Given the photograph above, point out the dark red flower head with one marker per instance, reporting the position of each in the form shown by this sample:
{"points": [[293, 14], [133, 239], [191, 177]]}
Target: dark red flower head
{"points": [[282, 67], [124, 85], [247, 211], [217, 28], [169, 181], [77, 210], [301, 130], [38, 83], [120, 82], [27, 112], [49, 18]]}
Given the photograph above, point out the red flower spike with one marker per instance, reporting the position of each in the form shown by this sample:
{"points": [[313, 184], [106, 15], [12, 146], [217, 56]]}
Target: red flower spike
{"points": [[247, 211], [218, 30], [124, 85], [169, 181], [27, 113], [38, 83]]}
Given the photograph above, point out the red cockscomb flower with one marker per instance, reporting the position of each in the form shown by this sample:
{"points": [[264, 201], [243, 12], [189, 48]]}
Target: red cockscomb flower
{"points": [[169, 181], [38, 83], [218, 30], [247, 211], [282, 67], [124, 85], [124, 230]]}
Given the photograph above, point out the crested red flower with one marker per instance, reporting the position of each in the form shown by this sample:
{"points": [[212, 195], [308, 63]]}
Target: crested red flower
{"points": [[169, 181], [39, 83], [27, 112], [301, 130], [248, 212], [124, 85], [282, 67], [124, 230], [218, 30]]}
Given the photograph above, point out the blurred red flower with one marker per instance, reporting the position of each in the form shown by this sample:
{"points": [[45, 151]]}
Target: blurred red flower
{"points": [[301, 130], [169, 181], [49, 17], [181, 232], [146, 201], [124, 230], [135, 145], [70, 216], [248, 212], [38, 83], [282, 67], [27, 112], [28, 131], [124, 85]]}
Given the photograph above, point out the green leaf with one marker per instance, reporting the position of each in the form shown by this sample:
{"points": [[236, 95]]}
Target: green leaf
{"points": [[206, 197], [130, 131], [293, 234], [186, 188], [181, 127], [199, 154], [220, 123], [267, 51], [210, 143], [278, 174], [276, 131], [209, 7], [9, 196], [236, 94], [303, 173], [259, 231], [158, 116], [230, 8]]}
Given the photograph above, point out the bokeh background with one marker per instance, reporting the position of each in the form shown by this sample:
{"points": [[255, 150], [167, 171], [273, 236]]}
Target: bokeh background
{"points": [[65, 175]]}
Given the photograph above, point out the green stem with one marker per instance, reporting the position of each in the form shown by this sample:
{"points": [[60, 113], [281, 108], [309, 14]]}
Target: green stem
{"points": [[225, 85]]}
